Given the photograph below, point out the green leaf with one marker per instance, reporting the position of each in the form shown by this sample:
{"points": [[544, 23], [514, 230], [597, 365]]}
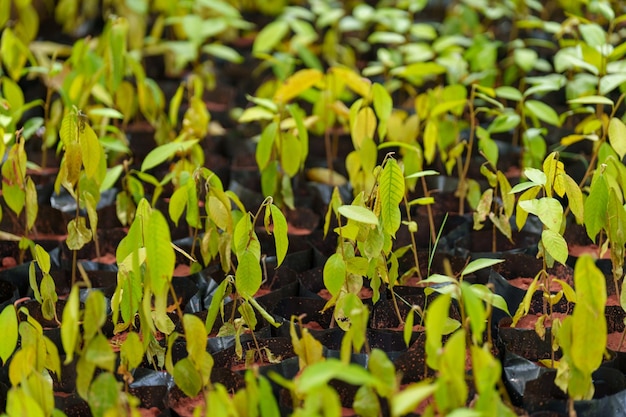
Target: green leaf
{"points": [[383, 105], [509, 93], [408, 327], [131, 351], [160, 257], [589, 327], [407, 400], [592, 100], [595, 207], [9, 326], [95, 313], [177, 204], [223, 52], [30, 201], [574, 198], [196, 337], [290, 151], [391, 193], [78, 235], [363, 126], [187, 378], [555, 244], [549, 211], [216, 302], [479, 264], [162, 153], [265, 145], [103, 395], [359, 214], [425, 173], [297, 84], [475, 311], [249, 275], [617, 136], [434, 323], [70, 324], [610, 82], [334, 273], [280, 234], [270, 36], [366, 403], [593, 34], [320, 373], [100, 353], [542, 111]]}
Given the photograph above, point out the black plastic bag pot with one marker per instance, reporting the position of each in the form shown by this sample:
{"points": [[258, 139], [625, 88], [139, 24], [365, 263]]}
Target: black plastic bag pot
{"points": [[533, 387], [525, 342], [312, 286], [151, 388], [526, 267], [181, 405], [282, 284], [8, 294], [411, 365], [280, 347], [318, 323]]}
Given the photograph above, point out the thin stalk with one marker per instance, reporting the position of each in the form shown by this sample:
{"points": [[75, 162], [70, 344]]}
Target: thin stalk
{"points": [[413, 242], [462, 188], [74, 252], [396, 308], [429, 211], [179, 312]]}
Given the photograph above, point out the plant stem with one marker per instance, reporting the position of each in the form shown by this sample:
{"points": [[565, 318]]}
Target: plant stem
{"points": [[429, 211], [413, 242], [179, 312], [462, 187]]}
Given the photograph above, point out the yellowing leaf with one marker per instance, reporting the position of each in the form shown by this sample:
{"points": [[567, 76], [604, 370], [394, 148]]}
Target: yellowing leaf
{"points": [[574, 198], [326, 176], [359, 214], [248, 275], [617, 136], [91, 150], [431, 137], [70, 324], [363, 126], [354, 81], [9, 326], [160, 257], [218, 213], [555, 245], [77, 233], [290, 154], [297, 84], [280, 234], [391, 193], [549, 211]]}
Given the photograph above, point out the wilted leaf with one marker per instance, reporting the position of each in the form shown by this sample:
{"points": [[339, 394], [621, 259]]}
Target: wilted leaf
{"points": [[78, 235]]}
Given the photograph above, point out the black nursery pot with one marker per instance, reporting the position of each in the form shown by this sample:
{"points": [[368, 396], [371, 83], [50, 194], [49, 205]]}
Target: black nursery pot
{"points": [[520, 265], [317, 322], [542, 394]]}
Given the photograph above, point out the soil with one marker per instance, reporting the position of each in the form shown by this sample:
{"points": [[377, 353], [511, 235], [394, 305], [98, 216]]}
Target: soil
{"points": [[184, 406], [593, 250], [181, 270], [613, 342], [612, 300], [529, 320], [107, 258], [364, 294], [8, 262], [313, 325], [523, 283], [149, 412]]}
